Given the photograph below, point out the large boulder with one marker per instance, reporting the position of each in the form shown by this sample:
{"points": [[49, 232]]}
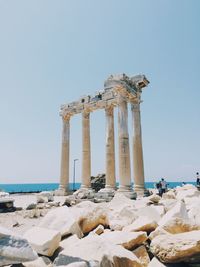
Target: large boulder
{"points": [[121, 212], [181, 195], [169, 195], [179, 211], [154, 198], [95, 248], [89, 215], [128, 240], [14, 249], [45, 241], [62, 220], [142, 223], [149, 212], [142, 255], [168, 203], [176, 248]]}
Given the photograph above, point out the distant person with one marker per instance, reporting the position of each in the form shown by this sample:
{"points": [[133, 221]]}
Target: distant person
{"points": [[183, 183], [163, 186], [198, 179]]}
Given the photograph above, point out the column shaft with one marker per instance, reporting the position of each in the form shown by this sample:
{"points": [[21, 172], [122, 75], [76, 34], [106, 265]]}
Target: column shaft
{"points": [[138, 165], [110, 149], [86, 155], [64, 169], [124, 151]]}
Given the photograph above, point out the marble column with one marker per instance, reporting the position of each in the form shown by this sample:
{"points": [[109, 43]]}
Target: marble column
{"points": [[86, 155], [64, 169], [110, 149], [138, 165], [124, 151]]}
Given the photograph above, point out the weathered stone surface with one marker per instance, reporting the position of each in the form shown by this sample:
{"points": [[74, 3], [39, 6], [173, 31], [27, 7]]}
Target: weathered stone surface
{"points": [[47, 194], [99, 230], [121, 212], [154, 198], [160, 209], [61, 219], [181, 195], [142, 255], [89, 215], [95, 248], [14, 249], [98, 182], [31, 206], [175, 248], [149, 212], [179, 211], [168, 203], [169, 195], [44, 241], [142, 223], [42, 199], [156, 263], [128, 240], [40, 262]]}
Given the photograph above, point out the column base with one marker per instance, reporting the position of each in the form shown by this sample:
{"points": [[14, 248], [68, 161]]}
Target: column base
{"points": [[127, 191], [139, 189], [60, 192]]}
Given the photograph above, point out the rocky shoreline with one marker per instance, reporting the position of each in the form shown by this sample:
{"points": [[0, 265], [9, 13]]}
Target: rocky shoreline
{"points": [[74, 231]]}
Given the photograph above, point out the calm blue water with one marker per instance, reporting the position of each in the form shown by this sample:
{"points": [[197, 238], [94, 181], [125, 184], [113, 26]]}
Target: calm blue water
{"points": [[23, 188]]}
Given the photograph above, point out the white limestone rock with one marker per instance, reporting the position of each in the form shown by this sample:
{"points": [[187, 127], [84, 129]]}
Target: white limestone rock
{"points": [[142, 223], [44, 241], [149, 212], [14, 249], [40, 262], [176, 248], [168, 203], [174, 226], [89, 215], [160, 209], [154, 198], [62, 220], [142, 255], [179, 210], [69, 241], [121, 212], [99, 230], [181, 195], [156, 263], [169, 195], [128, 240], [48, 194], [95, 248], [42, 199]]}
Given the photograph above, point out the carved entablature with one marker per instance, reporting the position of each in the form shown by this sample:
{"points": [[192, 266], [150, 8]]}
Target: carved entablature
{"points": [[115, 86]]}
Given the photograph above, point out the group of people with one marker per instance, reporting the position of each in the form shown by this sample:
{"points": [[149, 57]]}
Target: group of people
{"points": [[161, 186]]}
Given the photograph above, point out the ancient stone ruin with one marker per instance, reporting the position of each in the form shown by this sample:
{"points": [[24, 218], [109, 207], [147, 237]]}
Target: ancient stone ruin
{"points": [[119, 91]]}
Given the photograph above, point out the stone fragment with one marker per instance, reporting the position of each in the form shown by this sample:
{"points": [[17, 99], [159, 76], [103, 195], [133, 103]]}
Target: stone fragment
{"points": [[14, 249], [176, 248], [179, 210], [99, 230], [31, 206], [168, 203], [181, 195], [156, 263], [169, 195], [42, 199], [142, 255], [128, 240], [154, 198], [47, 194], [142, 223], [62, 220], [44, 241], [69, 241], [95, 248]]}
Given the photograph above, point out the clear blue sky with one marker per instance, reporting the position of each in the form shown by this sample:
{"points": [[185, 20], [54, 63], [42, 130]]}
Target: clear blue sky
{"points": [[52, 52]]}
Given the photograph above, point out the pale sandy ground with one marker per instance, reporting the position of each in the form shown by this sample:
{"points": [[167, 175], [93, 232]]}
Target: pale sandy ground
{"points": [[20, 221]]}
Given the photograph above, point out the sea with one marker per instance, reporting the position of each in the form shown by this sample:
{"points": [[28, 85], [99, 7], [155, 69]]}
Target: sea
{"points": [[27, 188]]}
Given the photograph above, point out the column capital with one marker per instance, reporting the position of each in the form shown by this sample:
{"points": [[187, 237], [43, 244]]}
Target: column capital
{"points": [[109, 110], [66, 117], [86, 114]]}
